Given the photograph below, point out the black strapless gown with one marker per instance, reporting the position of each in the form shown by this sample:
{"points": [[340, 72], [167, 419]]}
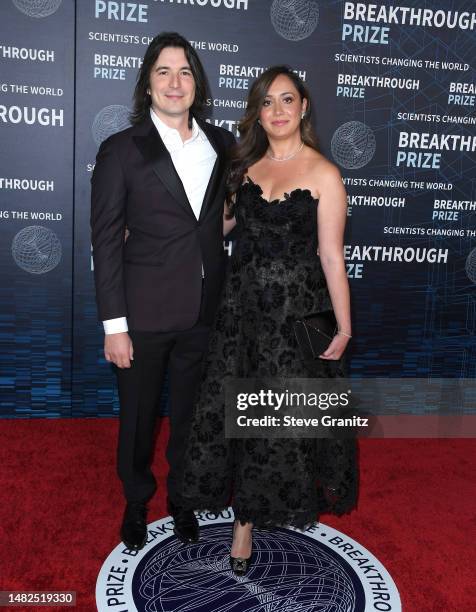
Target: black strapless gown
{"points": [[274, 277]]}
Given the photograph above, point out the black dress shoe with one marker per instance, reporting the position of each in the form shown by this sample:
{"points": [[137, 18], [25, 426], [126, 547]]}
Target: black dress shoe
{"points": [[134, 525], [186, 524]]}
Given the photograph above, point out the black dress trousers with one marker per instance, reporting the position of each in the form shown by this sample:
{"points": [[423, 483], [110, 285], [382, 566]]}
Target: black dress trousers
{"points": [[181, 354]]}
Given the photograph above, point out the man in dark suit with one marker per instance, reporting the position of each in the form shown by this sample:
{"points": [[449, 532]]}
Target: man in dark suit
{"points": [[162, 180]]}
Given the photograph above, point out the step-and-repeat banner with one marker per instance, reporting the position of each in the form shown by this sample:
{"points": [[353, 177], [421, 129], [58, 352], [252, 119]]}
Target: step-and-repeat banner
{"points": [[36, 206], [394, 95]]}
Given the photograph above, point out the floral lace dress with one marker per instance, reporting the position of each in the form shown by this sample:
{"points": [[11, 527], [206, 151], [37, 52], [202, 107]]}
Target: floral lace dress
{"points": [[275, 277]]}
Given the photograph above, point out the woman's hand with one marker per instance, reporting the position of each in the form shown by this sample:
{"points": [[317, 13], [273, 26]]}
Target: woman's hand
{"points": [[228, 225], [336, 348]]}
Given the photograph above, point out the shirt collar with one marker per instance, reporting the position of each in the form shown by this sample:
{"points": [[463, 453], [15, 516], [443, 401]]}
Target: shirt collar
{"points": [[171, 136]]}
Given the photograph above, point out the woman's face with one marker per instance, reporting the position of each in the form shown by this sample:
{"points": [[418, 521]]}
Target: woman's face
{"points": [[282, 108]]}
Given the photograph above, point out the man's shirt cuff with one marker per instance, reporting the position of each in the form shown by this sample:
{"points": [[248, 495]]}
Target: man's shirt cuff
{"points": [[115, 326]]}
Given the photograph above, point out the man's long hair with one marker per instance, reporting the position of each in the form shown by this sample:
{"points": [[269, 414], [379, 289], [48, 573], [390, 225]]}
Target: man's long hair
{"points": [[142, 100], [253, 140]]}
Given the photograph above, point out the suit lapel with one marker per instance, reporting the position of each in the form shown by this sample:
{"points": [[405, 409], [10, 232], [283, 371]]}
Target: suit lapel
{"points": [[154, 151], [218, 168]]}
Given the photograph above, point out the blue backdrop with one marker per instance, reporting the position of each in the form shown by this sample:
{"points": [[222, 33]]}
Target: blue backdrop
{"points": [[394, 98]]}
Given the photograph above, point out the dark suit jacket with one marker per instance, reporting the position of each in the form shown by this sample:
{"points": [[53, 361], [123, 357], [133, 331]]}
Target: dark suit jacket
{"points": [[155, 278]]}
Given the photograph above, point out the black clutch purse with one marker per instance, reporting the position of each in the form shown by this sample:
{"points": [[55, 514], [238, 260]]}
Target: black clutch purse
{"points": [[314, 333]]}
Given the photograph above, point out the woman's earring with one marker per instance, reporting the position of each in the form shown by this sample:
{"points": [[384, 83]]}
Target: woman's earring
{"points": [[148, 92], [303, 114], [259, 122]]}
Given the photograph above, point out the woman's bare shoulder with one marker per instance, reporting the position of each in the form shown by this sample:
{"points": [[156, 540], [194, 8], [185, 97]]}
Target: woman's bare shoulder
{"points": [[322, 173]]}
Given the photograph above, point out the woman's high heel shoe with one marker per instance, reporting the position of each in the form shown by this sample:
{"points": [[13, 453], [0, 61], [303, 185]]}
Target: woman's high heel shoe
{"points": [[239, 565]]}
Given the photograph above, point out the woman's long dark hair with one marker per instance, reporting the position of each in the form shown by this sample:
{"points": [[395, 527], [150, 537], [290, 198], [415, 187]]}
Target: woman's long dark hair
{"points": [[253, 141], [142, 99]]}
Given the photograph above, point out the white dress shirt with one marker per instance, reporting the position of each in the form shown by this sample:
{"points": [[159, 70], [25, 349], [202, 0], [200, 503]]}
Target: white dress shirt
{"points": [[193, 160]]}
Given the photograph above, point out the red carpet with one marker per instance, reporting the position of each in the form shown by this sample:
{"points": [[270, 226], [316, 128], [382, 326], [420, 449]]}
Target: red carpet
{"points": [[62, 505]]}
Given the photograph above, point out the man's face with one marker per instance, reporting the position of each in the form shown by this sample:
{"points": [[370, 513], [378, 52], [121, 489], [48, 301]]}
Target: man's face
{"points": [[171, 83]]}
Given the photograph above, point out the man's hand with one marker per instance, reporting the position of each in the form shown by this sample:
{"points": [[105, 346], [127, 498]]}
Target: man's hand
{"points": [[118, 349]]}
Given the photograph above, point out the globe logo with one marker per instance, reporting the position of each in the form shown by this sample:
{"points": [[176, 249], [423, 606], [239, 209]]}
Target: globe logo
{"points": [[36, 249], [292, 571], [470, 266], [37, 8], [289, 572], [294, 19], [109, 120], [353, 145]]}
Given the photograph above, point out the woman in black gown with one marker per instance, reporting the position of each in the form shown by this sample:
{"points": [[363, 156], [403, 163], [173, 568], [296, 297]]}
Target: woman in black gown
{"points": [[286, 199]]}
